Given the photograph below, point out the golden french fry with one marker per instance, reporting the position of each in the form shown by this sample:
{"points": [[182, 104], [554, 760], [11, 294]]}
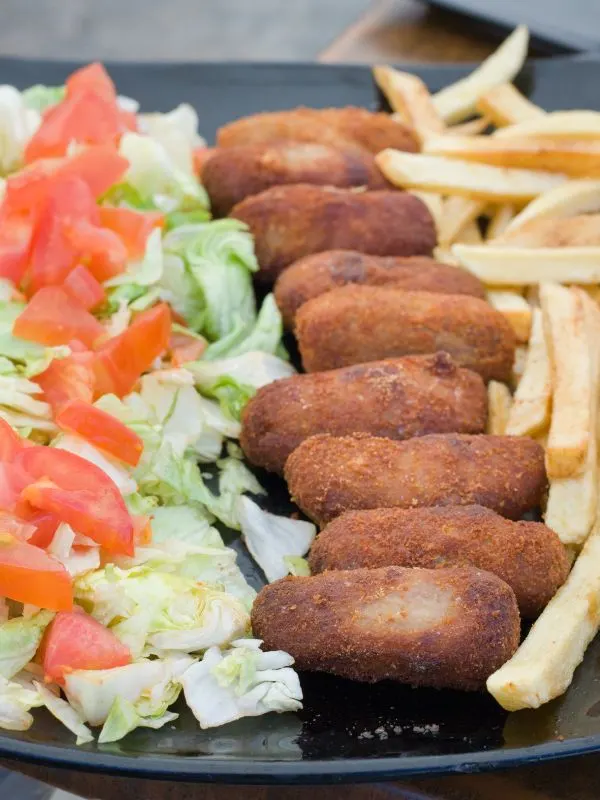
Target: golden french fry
{"points": [[435, 204], [572, 380], [516, 310], [580, 231], [499, 402], [574, 158], [444, 255], [543, 666], [505, 105], [458, 101], [456, 213], [476, 181], [500, 220], [530, 411], [507, 265], [408, 95], [568, 200], [471, 128], [519, 364], [557, 124], [470, 234]]}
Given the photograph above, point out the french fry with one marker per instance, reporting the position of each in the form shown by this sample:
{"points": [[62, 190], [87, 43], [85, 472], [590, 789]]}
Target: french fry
{"points": [[580, 231], [568, 344], [574, 158], [530, 411], [519, 364], [471, 128], [505, 105], [408, 95], [444, 255], [456, 213], [516, 310], [451, 176], [568, 200], [459, 100], [557, 124], [470, 234], [524, 265], [543, 666], [500, 220], [435, 204], [499, 402]]}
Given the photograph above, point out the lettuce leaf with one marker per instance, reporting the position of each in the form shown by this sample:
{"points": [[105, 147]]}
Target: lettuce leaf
{"points": [[16, 700], [64, 713], [264, 335], [19, 641], [18, 123], [177, 132], [40, 97], [123, 718]]}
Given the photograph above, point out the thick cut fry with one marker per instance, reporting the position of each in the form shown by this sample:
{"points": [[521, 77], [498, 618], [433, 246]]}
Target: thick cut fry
{"points": [[470, 234], [568, 200], [451, 176], [575, 158], [557, 124], [499, 402], [408, 95], [500, 220], [456, 213], [530, 411], [523, 265], [580, 231], [471, 128], [543, 666], [516, 310], [459, 100], [572, 380], [505, 105], [519, 365]]}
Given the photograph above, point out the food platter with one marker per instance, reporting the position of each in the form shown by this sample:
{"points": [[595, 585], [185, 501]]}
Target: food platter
{"points": [[346, 732]]}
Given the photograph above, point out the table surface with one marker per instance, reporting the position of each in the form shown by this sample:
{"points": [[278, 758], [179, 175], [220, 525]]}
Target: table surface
{"points": [[377, 32]]}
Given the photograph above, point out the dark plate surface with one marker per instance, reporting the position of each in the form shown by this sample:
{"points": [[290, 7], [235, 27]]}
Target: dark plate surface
{"points": [[346, 732]]}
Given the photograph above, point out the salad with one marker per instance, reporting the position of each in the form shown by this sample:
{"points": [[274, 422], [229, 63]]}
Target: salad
{"points": [[130, 341]]}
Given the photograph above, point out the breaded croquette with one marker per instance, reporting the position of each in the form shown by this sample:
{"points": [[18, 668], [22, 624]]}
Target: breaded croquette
{"points": [[234, 173], [314, 275], [528, 556], [289, 222], [337, 127], [398, 398], [328, 475], [355, 324], [446, 628]]}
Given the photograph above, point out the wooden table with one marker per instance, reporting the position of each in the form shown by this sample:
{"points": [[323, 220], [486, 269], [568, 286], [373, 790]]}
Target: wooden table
{"points": [[389, 31]]}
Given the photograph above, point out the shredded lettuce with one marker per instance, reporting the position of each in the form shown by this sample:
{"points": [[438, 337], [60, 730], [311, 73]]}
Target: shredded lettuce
{"points": [[123, 718], [16, 700], [296, 565], [40, 97], [19, 641], [64, 713], [18, 123], [177, 132], [185, 524], [265, 335]]}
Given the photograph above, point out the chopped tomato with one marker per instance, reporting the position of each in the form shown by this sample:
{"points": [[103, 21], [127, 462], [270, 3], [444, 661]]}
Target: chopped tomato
{"points": [[13, 479], [67, 379], [142, 530], [53, 317], [102, 430], [120, 361], [10, 441], [93, 77], [30, 575], [75, 640], [83, 287], [105, 254], [184, 348], [17, 527], [200, 157], [15, 246], [28, 188], [133, 227], [43, 522], [80, 493], [99, 166]]}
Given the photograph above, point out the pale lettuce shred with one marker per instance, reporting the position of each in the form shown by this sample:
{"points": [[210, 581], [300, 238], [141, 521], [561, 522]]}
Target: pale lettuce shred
{"points": [[18, 122], [19, 641], [65, 713], [40, 97], [16, 700], [177, 132]]}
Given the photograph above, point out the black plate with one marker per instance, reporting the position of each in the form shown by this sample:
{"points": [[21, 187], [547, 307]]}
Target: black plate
{"points": [[347, 732]]}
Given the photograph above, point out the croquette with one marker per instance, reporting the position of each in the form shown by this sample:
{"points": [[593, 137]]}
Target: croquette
{"points": [[399, 398], [355, 324], [234, 173], [289, 222], [445, 628], [314, 275], [528, 556], [328, 475]]}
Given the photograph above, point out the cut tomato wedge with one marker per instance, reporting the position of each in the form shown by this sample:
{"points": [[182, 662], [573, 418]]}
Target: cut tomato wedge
{"points": [[93, 77], [99, 166], [102, 430], [121, 361], [104, 253], [44, 523], [16, 232], [84, 288], [133, 227], [142, 530], [79, 493], [30, 575], [75, 640], [53, 317], [10, 441], [184, 348], [67, 379]]}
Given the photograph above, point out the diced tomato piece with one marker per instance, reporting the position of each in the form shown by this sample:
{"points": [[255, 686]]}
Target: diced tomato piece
{"points": [[133, 227], [184, 348], [93, 77], [142, 530], [123, 359], [10, 441], [102, 430], [200, 157], [9, 523], [15, 246], [83, 287], [80, 493], [99, 166], [70, 378], [26, 189], [104, 253], [53, 317], [44, 523], [29, 575]]}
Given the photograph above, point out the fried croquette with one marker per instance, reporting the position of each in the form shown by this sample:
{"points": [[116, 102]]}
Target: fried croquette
{"points": [[399, 398], [446, 628], [314, 275], [289, 222], [234, 173], [355, 324], [528, 556], [336, 127], [328, 475]]}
